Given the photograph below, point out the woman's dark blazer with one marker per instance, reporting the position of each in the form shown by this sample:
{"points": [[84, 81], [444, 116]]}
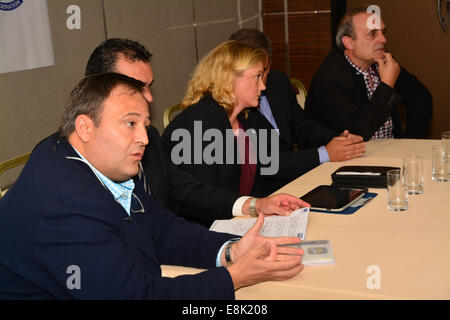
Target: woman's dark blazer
{"points": [[210, 115]]}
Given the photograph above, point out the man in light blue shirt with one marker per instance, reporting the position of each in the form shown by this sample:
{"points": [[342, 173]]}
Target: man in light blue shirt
{"points": [[265, 110], [63, 216]]}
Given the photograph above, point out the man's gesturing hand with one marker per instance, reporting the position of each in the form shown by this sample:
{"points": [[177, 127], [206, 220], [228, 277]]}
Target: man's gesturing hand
{"points": [[257, 258]]}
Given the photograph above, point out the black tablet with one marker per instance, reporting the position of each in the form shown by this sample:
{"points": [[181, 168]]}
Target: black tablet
{"points": [[332, 198]]}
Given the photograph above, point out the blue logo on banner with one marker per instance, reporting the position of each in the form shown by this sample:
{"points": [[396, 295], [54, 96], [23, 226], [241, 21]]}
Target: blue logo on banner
{"points": [[11, 5]]}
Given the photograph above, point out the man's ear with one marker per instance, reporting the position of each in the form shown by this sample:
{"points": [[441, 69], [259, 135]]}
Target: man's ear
{"points": [[347, 42], [84, 127]]}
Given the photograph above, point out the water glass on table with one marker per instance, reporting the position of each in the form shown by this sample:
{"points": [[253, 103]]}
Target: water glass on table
{"points": [[445, 142], [397, 191], [441, 165], [413, 174]]}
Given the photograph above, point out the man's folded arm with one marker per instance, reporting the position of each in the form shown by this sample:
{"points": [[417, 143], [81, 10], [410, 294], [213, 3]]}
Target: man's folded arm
{"points": [[339, 109]]}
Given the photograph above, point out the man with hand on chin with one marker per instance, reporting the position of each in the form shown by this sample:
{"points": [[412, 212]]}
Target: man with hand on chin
{"points": [[359, 85]]}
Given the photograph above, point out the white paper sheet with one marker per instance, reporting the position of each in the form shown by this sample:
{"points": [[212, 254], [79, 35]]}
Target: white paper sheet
{"points": [[293, 225]]}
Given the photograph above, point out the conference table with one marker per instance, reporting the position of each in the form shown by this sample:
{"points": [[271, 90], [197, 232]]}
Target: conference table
{"points": [[379, 254]]}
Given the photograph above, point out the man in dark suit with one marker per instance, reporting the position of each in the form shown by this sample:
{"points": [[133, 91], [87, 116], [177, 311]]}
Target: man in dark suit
{"points": [[173, 188], [304, 144], [77, 225], [359, 86]]}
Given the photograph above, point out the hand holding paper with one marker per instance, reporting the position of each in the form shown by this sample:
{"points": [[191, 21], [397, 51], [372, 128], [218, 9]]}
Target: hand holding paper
{"points": [[253, 239], [293, 225], [257, 258]]}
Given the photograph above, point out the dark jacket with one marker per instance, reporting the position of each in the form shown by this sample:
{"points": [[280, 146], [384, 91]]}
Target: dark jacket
{"points": [[337, 98], [58, 215], [180, 191], [225, 173]]}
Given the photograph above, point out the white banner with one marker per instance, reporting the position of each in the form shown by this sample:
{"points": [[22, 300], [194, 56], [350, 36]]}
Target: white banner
{"points": [[25, 36]]}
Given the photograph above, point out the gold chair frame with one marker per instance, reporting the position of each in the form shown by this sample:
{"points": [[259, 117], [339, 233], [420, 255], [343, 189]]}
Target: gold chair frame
{"points": [[10, 164], [301, 95], [167, 116]]}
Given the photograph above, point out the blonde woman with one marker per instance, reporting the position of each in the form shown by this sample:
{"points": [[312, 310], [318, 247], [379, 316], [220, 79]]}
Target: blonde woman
{"points": [[205, 139]]}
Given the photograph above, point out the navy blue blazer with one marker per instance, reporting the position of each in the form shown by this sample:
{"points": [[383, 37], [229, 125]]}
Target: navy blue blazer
{"points": [[59, 215]]}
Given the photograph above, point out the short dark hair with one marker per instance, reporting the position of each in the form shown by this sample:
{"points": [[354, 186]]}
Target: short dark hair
{"points": [[88, 97], [253, 37], [105, 56], [345, 26]]}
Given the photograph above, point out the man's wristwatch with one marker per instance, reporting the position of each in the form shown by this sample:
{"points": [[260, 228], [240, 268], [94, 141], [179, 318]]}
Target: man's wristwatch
{"points": [[228, 259], [252, 207]]}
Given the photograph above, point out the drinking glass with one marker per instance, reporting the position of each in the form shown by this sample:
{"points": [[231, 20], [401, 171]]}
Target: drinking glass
{"points": [[413, 174], [397, 191], [440, 164]]}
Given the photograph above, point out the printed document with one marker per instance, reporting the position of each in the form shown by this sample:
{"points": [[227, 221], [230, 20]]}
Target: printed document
{"points": [[293, 225]]}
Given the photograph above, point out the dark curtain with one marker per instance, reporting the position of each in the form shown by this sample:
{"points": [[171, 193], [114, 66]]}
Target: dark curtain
{"points": [[338, 9]]}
